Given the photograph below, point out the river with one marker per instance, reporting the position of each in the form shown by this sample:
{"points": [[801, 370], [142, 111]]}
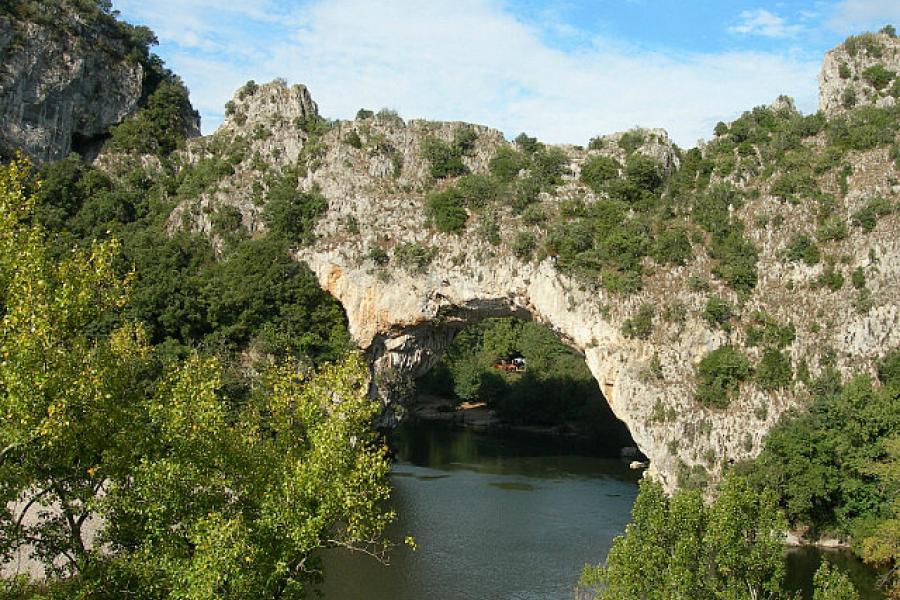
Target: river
{"points": [[501, 517]]}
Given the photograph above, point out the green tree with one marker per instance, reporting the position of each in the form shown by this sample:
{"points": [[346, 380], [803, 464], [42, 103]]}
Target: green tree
{"points": [[832, 584]]}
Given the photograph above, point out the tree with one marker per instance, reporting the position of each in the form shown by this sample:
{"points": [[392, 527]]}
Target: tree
{"points": [[195, 493], [679, 549], [832, 584]]}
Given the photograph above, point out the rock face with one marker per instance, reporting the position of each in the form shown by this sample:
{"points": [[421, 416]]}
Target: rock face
{"points": [[63, 84], [404, 315], [861, 71]]}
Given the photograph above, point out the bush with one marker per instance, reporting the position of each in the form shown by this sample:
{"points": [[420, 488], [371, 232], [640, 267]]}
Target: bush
{"points": [[414, 257], [639, 326], [160, 126], [737, 258], [446, 159], [632, 139], [831, 278], [446, 212], [352, 139], [290, 213], [765, 330], [644, 172], [803, 248], [672, 247], [524, 244], [718, 312], [506, 163], [364, 113], [858, 277], [378, 256], [867, 217], [477, 191], [597, 170], [721, 372], [877, 76], [774, 370], [863, 128], [832, 229]]}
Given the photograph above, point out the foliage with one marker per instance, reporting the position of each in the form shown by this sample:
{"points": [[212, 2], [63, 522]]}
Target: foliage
{"points": [[175, 467], [718, 312], [765, 330], [556, 388], [414, 257], [672, 246], [446, 158], [680, 548], [291, 213], [507, 162], [880, 537], [352, 139], [803, 248], [641, 324], [832, 584], [774, 371], [818, 462], [523, 245], [160, 126], [721, 373], [867, 217], [877, 76], [446, 210], [597, 170]]}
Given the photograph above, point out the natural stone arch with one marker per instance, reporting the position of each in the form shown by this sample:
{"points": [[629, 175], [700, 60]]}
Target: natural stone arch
{"points": [[406, 323]]}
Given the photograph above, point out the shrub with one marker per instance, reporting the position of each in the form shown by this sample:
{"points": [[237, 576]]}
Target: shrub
{"points": [[506, 163], [248, 89], [352, 139], [803, 248], [227, 219], [765, 330], [737, 258], [877, 76], [378, 255], [672, 246], [489, 229], [721, 372], [478, 190], [641, 324], [527, 144], [446, 212], [160, 126], [863, 128], [858, 278], [866, 41], [844, 71], [597, 170], [364, 113], [774, 370], [867, 217], [290, 213], [524, 244], [831, 278], [632, 139], [534, 215], [446, 158], [718, 312], [644, 172], [414, 257], [832, 229]]}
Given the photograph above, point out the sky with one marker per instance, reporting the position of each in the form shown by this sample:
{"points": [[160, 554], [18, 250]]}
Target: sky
{"points": [[561, 70]]}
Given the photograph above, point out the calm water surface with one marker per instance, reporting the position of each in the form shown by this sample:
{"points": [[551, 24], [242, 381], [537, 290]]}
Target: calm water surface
{"points": [[496, 517]]}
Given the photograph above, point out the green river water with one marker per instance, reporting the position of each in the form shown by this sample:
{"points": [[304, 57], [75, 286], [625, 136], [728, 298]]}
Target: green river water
{"points": [[504, 517]]}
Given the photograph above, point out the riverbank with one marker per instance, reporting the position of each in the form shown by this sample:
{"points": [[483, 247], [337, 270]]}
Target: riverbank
{"points": [[479, 416]]}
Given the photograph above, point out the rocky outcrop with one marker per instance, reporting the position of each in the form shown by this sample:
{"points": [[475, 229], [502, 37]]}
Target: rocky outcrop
{"points": [[403, 313], [861, 71], [64, 82]]}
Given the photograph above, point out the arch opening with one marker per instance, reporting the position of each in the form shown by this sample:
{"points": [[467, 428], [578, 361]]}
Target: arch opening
{"points": [[499, 370]]}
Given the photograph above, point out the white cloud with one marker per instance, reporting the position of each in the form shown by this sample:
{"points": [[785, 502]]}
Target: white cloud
{"points": [[764, 23], [471, 60], [853, 16]]}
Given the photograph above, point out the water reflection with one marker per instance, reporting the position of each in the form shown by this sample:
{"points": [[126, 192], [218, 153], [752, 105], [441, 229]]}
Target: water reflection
{"points": [[507, 516]]}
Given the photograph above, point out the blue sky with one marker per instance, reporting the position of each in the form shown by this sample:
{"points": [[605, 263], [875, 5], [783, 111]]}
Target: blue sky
{"points": [[564, 70]]}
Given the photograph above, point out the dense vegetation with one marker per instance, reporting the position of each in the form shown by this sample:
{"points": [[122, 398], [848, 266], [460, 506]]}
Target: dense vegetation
{"points": [[680, 548], [204, 492], [556, 389]]}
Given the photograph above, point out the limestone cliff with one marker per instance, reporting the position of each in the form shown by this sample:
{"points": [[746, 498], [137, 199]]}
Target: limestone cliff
{"points": [[407, 287], [67, 75], [861, 71]]}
